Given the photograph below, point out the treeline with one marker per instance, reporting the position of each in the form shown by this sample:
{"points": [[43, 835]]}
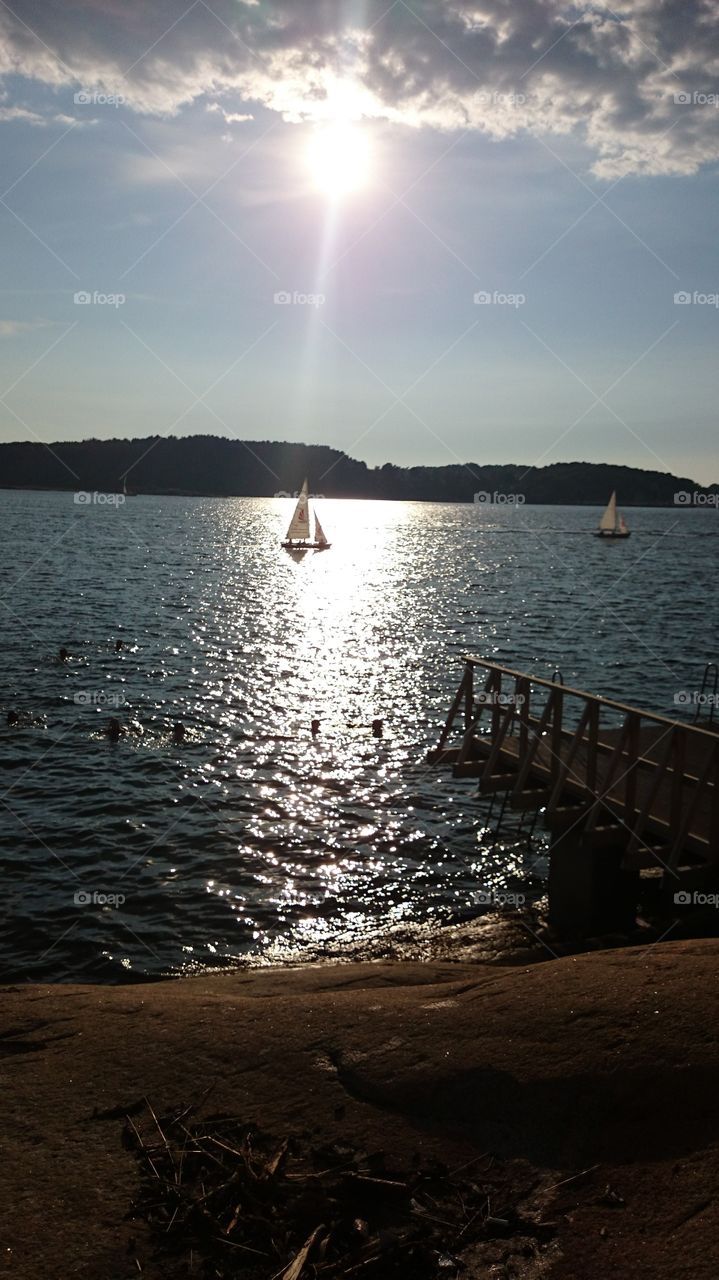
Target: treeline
{"points": [[211, 465]]}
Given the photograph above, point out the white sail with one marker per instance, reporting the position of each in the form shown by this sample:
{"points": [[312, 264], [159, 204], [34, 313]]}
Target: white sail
{"points": [[609, 519], [319, 531], [299, 527]]}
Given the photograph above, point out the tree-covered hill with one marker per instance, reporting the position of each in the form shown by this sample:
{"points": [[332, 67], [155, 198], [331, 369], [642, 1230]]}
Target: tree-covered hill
{"points": [[218, 466]]}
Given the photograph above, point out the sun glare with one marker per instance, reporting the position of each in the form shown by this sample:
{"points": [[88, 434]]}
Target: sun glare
{"points": [[339, 159]]}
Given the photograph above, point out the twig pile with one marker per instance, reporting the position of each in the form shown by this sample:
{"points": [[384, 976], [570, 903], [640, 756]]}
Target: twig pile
{"points": [[233, 1202]]}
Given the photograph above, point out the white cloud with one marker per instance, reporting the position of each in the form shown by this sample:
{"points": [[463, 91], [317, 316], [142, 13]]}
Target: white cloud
{"points": [[229, 117], [12, 328], [8, 114], [535, 65]]}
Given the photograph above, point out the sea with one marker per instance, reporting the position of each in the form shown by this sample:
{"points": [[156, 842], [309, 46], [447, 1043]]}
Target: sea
{"points": [[252, 841]]}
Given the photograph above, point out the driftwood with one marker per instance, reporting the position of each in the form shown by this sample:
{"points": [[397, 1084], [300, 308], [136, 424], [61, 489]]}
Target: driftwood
{"points": [[228, 1202]]}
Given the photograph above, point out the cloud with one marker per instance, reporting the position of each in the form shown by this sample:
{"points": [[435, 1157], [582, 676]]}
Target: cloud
{"points": [[637, 84], [8, 114], [12, 328], [229, 117]]}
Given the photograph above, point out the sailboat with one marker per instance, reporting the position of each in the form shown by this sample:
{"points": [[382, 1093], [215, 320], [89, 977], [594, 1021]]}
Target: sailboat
{"points": [[298, 537], [612, 525]]}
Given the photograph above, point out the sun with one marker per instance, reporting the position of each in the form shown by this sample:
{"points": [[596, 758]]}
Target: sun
{"points": [[339, 159]]}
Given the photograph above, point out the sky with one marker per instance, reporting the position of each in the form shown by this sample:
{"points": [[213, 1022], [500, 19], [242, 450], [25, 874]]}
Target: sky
{"points": [[427, 232]]}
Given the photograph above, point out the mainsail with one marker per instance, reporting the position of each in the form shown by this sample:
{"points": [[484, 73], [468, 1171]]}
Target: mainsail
{"points": [[300, 523], [612, 524], [297, 537], [609, 519]]}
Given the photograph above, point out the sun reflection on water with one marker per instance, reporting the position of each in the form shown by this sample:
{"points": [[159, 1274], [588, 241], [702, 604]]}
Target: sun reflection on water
{"points": [[253, 838]]}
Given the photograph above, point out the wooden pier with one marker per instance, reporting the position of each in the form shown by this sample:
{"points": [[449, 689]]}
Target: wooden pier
{"points": [[623, 792]]}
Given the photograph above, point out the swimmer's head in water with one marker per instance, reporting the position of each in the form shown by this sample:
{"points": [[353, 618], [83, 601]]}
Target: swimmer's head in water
{"points": [[12, 717]]}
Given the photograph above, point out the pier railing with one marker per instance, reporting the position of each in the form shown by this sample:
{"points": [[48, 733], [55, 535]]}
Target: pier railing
{"points": [[619, 774]]}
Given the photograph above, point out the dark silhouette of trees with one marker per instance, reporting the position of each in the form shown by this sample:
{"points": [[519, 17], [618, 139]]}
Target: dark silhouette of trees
{"points": [[258, 468]]}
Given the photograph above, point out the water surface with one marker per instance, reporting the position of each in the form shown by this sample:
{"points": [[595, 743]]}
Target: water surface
{"points": [[251, 839]]}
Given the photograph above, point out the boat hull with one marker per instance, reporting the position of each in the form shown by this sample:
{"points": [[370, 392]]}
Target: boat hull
{"points": [[305, 546], [612, 537]]}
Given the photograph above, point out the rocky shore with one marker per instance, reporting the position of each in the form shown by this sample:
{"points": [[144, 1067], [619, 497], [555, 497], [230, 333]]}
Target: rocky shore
{"points": [[584, 1088]]}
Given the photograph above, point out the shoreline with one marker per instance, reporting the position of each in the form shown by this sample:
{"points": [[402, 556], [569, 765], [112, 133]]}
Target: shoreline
{"points": [[431, 502], [493, 940]]}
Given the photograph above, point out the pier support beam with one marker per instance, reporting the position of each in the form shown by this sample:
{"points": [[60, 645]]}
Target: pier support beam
{"points": [[589, 894]]}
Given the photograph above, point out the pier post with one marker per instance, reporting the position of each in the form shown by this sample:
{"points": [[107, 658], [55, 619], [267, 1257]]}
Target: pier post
{"points": [[589, 893]]}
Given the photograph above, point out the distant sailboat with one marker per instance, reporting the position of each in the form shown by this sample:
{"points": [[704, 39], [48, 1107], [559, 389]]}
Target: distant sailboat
{"points": [[298, 537], [611, 524]]}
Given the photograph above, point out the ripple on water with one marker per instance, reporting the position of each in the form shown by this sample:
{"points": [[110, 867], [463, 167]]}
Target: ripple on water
{"points": [[251, 841]]}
